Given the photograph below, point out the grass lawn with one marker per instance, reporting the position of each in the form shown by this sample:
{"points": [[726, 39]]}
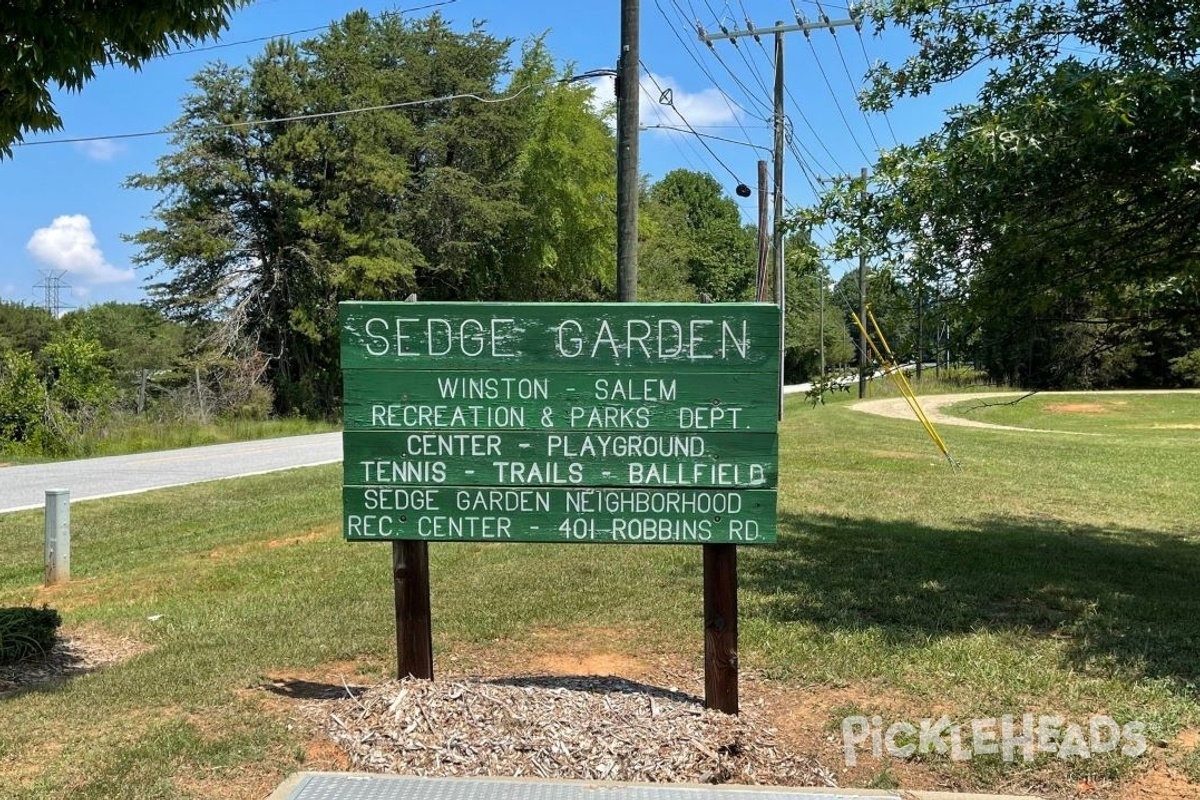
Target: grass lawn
{"points": [[1055, 574], [128, 434]]}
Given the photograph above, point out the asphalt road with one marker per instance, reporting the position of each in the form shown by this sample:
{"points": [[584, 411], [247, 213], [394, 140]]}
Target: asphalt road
{"points": [[25, 486]]}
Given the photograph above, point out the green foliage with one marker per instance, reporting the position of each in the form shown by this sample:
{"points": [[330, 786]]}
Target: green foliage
{"points": [[25, 328], [263, 230], [63, 42], [698, 238], [133, 336], [44, 407], [27, 632], [77, 377], [1057, 215], [1188, 368], [22, 398]]}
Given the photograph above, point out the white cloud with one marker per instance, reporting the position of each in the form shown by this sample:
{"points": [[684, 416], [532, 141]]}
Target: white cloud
{"points": [[99, 149], [705, 107], [69, 244]]}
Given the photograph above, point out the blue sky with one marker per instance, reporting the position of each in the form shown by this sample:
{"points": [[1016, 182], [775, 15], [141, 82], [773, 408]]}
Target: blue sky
{"points": [[63, 208]]}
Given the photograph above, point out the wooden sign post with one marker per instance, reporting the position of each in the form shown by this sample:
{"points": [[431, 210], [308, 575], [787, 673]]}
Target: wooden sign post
{"points": [[637, 424]]}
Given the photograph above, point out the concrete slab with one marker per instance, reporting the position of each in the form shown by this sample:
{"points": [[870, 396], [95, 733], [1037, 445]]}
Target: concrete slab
{"points": [[366, 786]]}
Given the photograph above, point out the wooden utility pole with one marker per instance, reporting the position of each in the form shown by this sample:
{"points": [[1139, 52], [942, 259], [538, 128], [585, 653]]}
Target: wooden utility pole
{"points": [[821, 314], [628, 88], [720, 560], [777, 234], [863, 361], [777, 231], [760, 278]]}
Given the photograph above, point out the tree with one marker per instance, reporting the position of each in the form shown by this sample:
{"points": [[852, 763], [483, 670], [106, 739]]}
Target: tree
{"points": [[63, 42], [263, 229], [25, 328], [1060, 208], [700, 228]]}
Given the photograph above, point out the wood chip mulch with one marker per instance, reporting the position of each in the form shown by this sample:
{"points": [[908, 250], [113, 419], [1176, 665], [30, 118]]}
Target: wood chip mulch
{"points": [[71, 655], [579, 728]]}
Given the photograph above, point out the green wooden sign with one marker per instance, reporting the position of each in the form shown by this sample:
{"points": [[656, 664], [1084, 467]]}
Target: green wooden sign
{"points": [[619, 515], [638, 423], [533, 458], [735, 337], [582, 400]]}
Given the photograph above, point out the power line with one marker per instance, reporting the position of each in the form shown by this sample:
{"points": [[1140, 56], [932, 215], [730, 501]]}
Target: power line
{"points": [[683, 119], [800, 112], [837, 43], [295, 118], [886, 117], [837, 103], [705, 135], [753, 97], [222, 45], [729, 102]]}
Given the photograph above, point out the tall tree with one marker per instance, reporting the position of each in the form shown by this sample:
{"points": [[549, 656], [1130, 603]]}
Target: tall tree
{"points": [[700, 226], [63, 42], [1062, 203], [469, 180]]}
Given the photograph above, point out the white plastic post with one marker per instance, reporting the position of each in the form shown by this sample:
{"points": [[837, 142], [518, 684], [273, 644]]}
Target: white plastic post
{"points": [[58, 536]]}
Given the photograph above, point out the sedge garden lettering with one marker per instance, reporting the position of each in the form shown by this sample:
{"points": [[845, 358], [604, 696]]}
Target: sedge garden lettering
{"points": [[626, 423], [709, 338]]}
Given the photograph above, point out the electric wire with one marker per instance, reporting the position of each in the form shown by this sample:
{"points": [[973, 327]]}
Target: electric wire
{"points": [[223, 45], [770, 114], [729, 102], [295, 118], [837, 103], [688, 125], [886, 117], [837, 43]]}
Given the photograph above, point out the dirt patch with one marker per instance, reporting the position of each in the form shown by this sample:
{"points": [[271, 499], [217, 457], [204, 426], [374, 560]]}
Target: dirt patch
{"points": [[348, 717], [1159, 783], [583, 651], [1188, 740], [1078, 408], [311, 536], [598, 664], [237, 550], [76, 652]]}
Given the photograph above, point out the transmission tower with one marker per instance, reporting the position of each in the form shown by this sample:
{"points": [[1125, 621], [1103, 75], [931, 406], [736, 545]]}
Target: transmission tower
{"points": [[52, 285]]}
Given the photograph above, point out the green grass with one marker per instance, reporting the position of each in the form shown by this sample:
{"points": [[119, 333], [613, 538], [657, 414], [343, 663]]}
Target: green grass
{"points": [[127, 434], [1164, 415], [1053, 574]]}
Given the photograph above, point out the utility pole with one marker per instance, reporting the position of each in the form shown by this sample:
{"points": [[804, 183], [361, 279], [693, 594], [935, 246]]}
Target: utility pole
{"points": [[821, 313], [778, 29], [777, 230], [760, 277], [862, 296], [628, 122], [920, 325]]}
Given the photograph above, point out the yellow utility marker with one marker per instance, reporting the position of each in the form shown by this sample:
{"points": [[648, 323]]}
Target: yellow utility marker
{"points": [[892, 369]]}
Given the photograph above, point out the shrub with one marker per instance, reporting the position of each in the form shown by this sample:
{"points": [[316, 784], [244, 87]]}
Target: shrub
{"points": [[26, 632], [1187, 368]]}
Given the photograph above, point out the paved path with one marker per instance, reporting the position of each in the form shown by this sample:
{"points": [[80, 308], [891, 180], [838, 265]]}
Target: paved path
{"points": [[25, 487], [934, 403]]}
